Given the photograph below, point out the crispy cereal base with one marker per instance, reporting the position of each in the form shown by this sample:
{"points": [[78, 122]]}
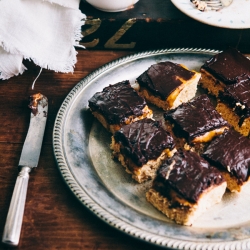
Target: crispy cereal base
{"points": [[186, 214], [229, 115], [210, 83], [140, 173]]}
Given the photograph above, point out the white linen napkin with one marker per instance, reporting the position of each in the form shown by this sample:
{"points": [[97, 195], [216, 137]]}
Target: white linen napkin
{"points": [[44, 31]]}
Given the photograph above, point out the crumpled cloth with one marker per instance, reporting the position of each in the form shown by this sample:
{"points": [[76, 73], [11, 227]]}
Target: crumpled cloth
{"points": [[44, 31]]}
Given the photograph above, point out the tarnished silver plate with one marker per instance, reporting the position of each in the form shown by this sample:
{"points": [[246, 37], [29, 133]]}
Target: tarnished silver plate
{"points": [[81, 147]]}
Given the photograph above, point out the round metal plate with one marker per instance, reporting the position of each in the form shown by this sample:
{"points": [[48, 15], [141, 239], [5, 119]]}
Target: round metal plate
{"points": [[82, 150]]}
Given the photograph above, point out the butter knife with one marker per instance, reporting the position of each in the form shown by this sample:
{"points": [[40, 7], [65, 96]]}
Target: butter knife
{"points": [[28, 160]]}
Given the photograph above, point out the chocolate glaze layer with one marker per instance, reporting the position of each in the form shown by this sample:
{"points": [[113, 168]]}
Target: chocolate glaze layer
{"points": [[144, 140], [228, 66], [117, 102], [187, 174], [231, 151], [237, 96], [163, 78], [195, 118]]}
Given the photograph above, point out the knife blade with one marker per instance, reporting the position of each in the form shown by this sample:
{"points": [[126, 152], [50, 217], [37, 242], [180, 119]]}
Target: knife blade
{"points": [[29, 159]]}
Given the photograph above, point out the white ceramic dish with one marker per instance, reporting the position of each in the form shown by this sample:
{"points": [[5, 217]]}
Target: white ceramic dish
{"points": [[112, 5], [236, 16], [82, 150]]}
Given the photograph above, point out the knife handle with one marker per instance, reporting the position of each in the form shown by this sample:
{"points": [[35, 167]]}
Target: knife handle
{"points": [[14, 219]]}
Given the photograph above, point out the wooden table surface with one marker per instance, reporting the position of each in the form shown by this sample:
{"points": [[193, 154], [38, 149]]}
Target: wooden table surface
{"points": [[53, 218]]}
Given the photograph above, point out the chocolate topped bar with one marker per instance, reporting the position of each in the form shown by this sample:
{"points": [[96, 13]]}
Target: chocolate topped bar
{"points": [[185, 186], [118, 101], [188, 175], [237, 97], [228, 66], [225, 68], [230, 152], [163, 78], [118, 104], [197, 120], [143, 140], [167, 84]]}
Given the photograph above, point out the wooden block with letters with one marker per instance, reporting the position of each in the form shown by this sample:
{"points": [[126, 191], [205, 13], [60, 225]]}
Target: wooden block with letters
{"points": [[154, 25]]}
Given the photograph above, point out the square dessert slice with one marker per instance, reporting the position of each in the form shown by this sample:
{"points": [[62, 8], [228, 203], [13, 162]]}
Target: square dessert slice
{"points": [[196, 121], [167, 84], [118, 104], [186, 185], [223, 69], [141, 147], [230, 153], [234, 105]]}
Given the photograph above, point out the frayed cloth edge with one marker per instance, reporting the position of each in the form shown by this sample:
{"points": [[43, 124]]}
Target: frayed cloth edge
{"points": [[68, 66], [6, 76]]}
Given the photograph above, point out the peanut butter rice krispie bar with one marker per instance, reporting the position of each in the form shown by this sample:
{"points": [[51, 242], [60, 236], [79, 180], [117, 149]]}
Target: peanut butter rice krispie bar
{"points": [[141, 147], [167, 84], [186, 186], [196, 122], [230, 153], [223, 69], [118, 104]]}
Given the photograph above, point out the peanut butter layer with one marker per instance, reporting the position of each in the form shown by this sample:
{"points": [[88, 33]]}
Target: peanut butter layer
{"points": [[167, 84], [233, 119], [196, 120], [230, 152], [210, 83], [34, 100]]}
